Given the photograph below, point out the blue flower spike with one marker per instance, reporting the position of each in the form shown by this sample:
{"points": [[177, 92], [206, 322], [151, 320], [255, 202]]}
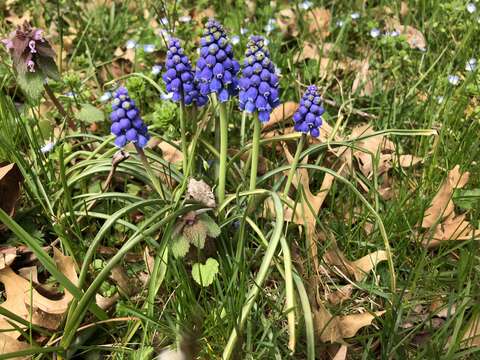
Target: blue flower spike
{"points": [[308, 117], [216, 69], [259, 82], [127, 125], [178, 77]]}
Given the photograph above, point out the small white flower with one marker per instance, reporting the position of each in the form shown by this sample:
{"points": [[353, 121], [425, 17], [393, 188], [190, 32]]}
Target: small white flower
{"points": [[471, 8], [340, 23], [440, 99], [243, 31], [374, 33], [156, 69], [422, 49], [70, 94], [164, 21], [393, 33], [185, 18], [305, 5], [106, 96], [270, 26], [355, 16], [167, 96], [235, 39], [131, 44], [47, 147], [453, 79], [471, 64], [149, 48]]}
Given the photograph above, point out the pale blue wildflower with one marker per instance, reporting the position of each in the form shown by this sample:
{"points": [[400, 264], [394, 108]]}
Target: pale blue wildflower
{"points": [[47, 147], [270, 26], [355, 16], [166, 96], [131, 44], [374, 33], [471, 65], [149, 48], [106, 96], [340, 23], [453, 79], [185, 19], [305, 5], [471, 8], [156, 69], [440, 99], [243, 31], [235, 39], [70, 94]]}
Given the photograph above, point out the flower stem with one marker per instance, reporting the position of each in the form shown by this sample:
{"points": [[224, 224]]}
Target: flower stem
{"points": [[255, 153], [294, 164], [183, 133], [59, 106], [153, 178], [223, 152]]}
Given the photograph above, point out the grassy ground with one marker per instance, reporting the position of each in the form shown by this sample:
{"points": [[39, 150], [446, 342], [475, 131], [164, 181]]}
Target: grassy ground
{"points": [[410, 97]]}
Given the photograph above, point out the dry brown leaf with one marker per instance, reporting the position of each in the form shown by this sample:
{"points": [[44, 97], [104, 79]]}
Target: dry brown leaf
{"points": [[10, 182], [414, 37], [341, 353], [409, 160], [9, 345], [14, 20], [280, 114], [336, 328], [202, 192], [170, 153], [471, 338], [454, 227], [287, 22], [7, 256], [357, 269], [124, 283], [106, 303], [363, 80], [42, 311], [319, 22], [442, 205], [403, 9], [200, 15], [339, 296]]}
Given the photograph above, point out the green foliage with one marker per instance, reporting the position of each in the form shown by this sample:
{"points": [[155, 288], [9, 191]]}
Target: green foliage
{"points": [[180, 246], [32, 83], [467, 199], [204, 274], [136, 88], [164, 115], [90, 114]]}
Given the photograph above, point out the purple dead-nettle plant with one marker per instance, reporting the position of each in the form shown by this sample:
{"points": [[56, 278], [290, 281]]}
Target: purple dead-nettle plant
{"points": [[31, 52], [217, 69]]}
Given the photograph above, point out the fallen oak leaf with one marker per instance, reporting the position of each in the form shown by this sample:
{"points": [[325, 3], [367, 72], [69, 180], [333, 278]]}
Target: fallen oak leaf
{"points": [[7, 256], [336, 328], [10, 181], [9, 345], [281, 113], [442, 205], [319, 22], [363, 80], [414, 37]]}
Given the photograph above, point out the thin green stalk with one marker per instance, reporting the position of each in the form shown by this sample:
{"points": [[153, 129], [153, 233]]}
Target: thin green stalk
{"points": [[255, 153], [294, 164], [183, 134], [153, 178], [242, 129], [223, 152]]}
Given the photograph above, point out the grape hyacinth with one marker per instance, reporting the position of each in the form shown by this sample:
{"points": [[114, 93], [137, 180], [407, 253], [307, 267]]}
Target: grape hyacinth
{"points": [[308, 117], [179, 78], [216, 69], [259, 83], [127, 125]]}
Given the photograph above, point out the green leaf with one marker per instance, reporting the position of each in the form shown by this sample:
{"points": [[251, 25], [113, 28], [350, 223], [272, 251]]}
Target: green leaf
{"points": [[466, 199], [48, 66], [213, 230], [89, 114], [179, 247], [31, 83], [205, 274]]}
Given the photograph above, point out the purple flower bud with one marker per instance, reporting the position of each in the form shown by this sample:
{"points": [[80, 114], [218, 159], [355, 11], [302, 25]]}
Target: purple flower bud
{"points": [[217, 59], [308, 116]]}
